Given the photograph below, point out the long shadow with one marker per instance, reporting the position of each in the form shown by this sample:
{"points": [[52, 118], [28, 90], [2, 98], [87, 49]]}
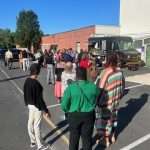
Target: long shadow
{"points": [[15, 68], [58, 136], [59, 126], [127, 113], [14, 78]]}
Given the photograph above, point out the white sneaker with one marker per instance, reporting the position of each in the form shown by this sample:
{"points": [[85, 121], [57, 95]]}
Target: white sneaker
{"points": [[32, 145], [44, 147]]}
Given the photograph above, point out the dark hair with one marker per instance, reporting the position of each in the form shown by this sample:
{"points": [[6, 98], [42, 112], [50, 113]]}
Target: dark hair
{"points": [[62, 58], [112, 59], [81, 73], [34, 69]]}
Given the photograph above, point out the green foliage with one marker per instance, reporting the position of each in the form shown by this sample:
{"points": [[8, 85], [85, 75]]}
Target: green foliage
{"points": [[6, 38], [28, 29]]}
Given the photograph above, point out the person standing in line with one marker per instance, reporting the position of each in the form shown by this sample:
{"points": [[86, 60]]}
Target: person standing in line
{"points": [[58, 85], [80, 56], [84, 61], [50, 68], [111, 85], [45, 56], [92, 72], [20, 60], [33, 98], [79, 101], [9, 58], [68, 76], [57, 57], [25, 60]]}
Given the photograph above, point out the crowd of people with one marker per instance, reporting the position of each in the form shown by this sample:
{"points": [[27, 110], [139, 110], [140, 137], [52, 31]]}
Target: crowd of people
{"points": [[83, 91]]}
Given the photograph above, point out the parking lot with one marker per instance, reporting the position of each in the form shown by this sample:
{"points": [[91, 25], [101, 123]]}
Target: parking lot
{"points": [[134, 121]]}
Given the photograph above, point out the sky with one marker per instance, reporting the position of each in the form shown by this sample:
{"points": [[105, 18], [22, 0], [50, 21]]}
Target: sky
{"points": [[61, 15]]}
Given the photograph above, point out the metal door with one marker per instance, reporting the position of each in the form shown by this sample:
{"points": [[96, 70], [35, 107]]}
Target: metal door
{"points": [[78, 47], [148, 55]]}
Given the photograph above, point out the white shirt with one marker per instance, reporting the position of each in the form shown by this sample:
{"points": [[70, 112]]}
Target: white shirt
{"points": [[8, 55]]}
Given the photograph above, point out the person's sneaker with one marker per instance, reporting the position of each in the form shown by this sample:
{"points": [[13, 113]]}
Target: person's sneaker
{"points": [[44, 147], [32, 145]]}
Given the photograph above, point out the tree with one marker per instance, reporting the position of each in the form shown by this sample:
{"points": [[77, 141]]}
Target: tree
{"points": [[6, 38], [28, 29]]}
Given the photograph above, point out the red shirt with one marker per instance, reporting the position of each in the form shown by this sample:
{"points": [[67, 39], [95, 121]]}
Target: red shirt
{"points": [[84, 63]]}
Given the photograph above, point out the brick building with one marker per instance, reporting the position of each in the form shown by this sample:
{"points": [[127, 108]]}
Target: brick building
{"points": [[77, 39]]}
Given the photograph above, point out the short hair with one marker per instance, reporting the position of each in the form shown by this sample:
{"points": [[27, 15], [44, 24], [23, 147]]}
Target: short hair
{"points": [[68, 67], [81, 73], [34, 69]]}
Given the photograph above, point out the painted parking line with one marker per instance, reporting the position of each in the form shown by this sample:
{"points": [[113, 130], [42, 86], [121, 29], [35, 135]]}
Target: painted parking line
{"points": [[65, 139], [53, 106], [54, 127], [131, 87], [18, 88], [136, 143]]}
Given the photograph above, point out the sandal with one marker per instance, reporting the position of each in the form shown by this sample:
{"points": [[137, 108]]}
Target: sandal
{"points": [[103, 141]]}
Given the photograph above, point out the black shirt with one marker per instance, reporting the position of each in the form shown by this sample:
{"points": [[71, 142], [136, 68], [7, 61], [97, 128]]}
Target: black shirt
{"points": [[24, 54], [33, 94], [67, 57], [58, 72], [50, 60]]}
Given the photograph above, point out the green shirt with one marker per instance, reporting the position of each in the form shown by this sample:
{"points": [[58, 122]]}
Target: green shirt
{"points": [[75, 101]]}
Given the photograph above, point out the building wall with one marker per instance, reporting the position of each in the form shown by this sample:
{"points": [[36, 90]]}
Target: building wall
{"points": [[134, 17], [69, 39], [106, 30]]}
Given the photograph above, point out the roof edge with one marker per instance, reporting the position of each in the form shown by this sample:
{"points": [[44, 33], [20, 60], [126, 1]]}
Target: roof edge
{"points": [[107, 26], [71, 30]]}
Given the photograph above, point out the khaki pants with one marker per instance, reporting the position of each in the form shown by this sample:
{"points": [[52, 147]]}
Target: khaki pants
{"points": [[50, 74], [26, 64], [34, 126]]}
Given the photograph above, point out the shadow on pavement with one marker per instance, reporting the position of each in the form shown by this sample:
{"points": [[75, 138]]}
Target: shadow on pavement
{"points": [[15, 68], [58, 136], [14, 78], [127, 113], [59, 126]]}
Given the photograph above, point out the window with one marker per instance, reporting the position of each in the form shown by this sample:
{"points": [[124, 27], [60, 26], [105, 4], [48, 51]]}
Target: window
{"points": [[115, 46], [78, 47]]}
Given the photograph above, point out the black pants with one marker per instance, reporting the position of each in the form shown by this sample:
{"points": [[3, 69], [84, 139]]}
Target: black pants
{"points": [[81, 124]]}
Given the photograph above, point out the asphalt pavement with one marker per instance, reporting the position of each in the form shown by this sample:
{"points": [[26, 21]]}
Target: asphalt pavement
{"points": [[134, 118]]}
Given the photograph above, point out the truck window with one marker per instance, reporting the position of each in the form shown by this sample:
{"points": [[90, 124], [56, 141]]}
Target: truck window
{"points": [[126, 45], [103, 45], [115, 46]]}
